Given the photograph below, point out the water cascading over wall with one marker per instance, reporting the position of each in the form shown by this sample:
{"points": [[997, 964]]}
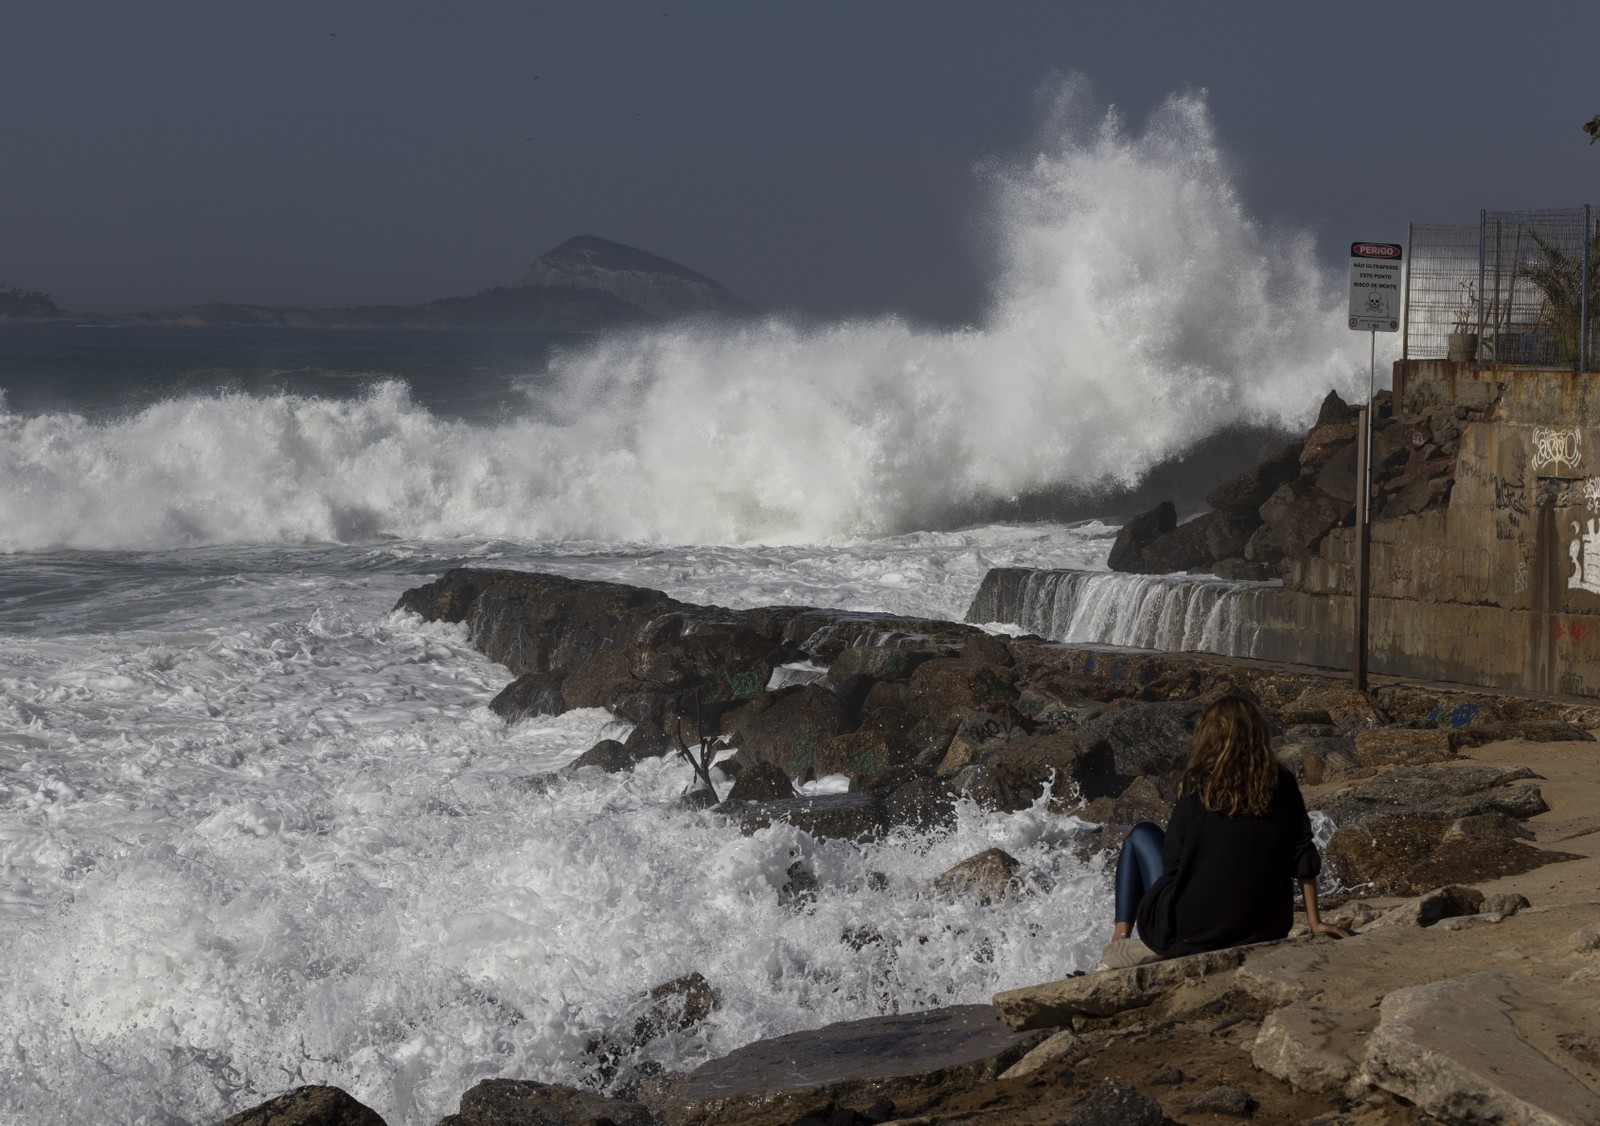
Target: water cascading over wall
{"points": [[1175, 613]]}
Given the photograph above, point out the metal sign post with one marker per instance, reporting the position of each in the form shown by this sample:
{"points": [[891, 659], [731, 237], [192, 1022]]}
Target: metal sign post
{"points": [[1375, 308]]}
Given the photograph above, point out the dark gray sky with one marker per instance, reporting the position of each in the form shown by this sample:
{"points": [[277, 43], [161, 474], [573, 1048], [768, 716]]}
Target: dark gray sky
{"points": [[812, 155]]}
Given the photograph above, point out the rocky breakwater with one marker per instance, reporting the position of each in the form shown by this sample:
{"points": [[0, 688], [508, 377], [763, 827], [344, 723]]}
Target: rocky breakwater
{"points": [[1281, 510], [915, 714]]}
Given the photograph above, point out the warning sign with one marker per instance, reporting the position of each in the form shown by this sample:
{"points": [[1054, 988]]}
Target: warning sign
{"points": [[1375, 286]]}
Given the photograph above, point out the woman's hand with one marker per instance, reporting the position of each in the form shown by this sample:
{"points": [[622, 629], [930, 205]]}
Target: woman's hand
{"points": [[1329, 928]]}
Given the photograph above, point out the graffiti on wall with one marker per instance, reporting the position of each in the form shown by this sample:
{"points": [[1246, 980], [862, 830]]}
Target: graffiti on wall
{"points": [[1584, 553], [1520, 579], [1554, 448]]}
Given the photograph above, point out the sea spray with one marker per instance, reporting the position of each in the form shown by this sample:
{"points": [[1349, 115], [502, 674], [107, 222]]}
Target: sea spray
{"points": [[1136, 308]]}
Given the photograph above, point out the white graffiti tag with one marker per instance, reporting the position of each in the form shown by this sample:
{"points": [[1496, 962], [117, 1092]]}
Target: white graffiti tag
{"points": [[1585, 554], [1557, 447], [1521, 577], [1591, 493]]}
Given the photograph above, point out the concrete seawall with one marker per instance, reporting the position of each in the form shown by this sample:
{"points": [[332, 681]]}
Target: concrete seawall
{"points": [[1500, 587]]}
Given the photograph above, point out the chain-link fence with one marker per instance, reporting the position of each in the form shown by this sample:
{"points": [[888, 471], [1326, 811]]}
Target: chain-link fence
{"points": [[1516, 288]]}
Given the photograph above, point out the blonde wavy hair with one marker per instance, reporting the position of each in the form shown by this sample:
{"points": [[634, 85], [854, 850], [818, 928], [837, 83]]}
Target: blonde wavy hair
{"points": [[1232, 767]]}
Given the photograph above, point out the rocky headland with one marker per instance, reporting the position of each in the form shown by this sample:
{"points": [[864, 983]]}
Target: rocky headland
{"points": [[1467, 849]]}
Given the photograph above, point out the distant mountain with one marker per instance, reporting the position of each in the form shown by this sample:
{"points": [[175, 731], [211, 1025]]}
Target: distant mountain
{"points": [[655, 284], [584, 285]]}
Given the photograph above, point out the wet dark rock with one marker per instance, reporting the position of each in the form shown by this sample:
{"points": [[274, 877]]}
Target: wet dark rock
{"points": [[1152, 738], [799, 885], [538, 623], [1314, 760], [949, 689], [862, 756], [1242, 570], [987, 877], [760, 781], [1295, 518], [849, 1060], [1334, 410], [977, 734], [1143, 800], [308, 1106], [531, 694], [608, 754], [1127, 551], [523, 1102], [1438, 793], [923, 804], [647, 740], [1014, 777], [1228, 1099], [1246, 492], [790, 730], [1187, 546], [856, 816], [989, 649], [1114, 1104], [1407, 855], [877, 663], [1324, 440]]}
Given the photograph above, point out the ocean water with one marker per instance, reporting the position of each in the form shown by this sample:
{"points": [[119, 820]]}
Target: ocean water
{"points": [[256, 830]]}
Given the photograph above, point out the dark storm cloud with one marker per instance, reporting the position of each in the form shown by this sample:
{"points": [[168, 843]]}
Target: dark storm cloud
{"points": [[814, 156]]}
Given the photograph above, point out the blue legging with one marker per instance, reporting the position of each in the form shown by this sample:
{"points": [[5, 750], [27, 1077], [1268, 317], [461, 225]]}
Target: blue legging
{"points": [[1138, 866]]}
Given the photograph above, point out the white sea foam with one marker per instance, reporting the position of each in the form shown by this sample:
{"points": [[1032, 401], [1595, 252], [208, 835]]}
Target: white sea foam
{"points": [[1137, 308]]}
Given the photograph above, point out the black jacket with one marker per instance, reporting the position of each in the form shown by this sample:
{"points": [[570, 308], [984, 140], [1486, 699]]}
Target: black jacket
{"points": [[1229, 880]]}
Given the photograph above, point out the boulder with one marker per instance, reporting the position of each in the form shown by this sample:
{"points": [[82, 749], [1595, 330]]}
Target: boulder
{"points": [[1249, 490], [531, 694], [1401, 746], [1403, 855], [952, 688], [856, 816], [608, 755], [1229, 1099], [923, 804], [789, 732], [781, 1079], [1109, 992], [978, 732], [987, 877], [1438, 793], [1185, 547], [1295, 518], [862, 756], [1323, 441], [877, 662], [1335, 410], [1014, 777], [1115, 1104], [543, 623], [1309, 1045], [1127, 550], [720, 667], [308, 1106], [1143, 800], [1343, 707], [760, 781], [1147, 738], [524, 1102], [1489, 1047]]}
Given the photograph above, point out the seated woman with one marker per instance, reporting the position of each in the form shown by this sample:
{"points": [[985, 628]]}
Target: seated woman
{"points": [[1223, 873]]}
